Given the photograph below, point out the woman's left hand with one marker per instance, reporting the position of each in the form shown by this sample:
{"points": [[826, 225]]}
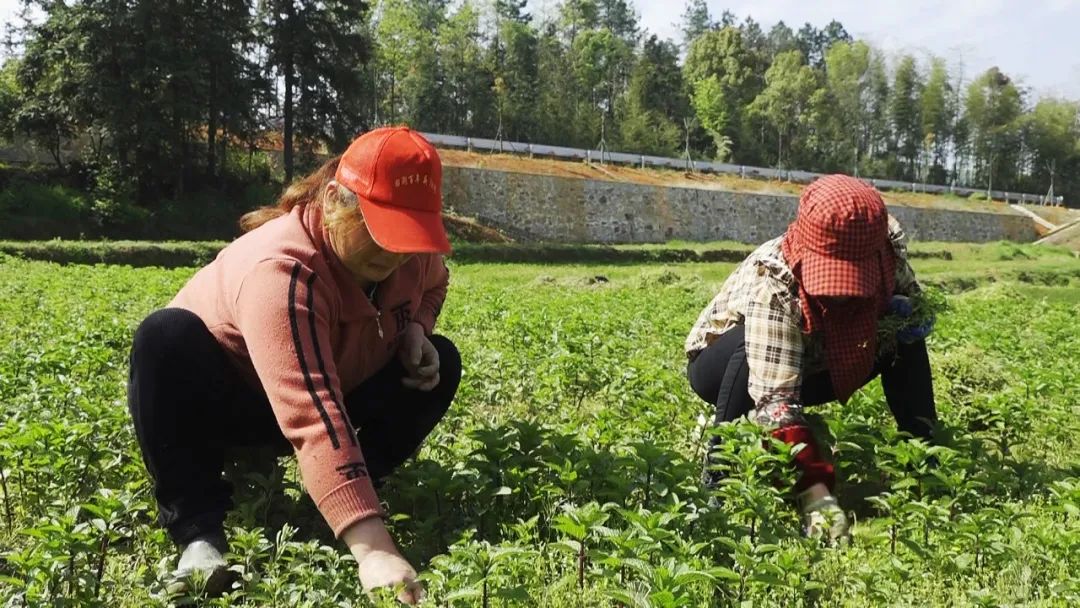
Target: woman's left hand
{"points": [[420, 359]]}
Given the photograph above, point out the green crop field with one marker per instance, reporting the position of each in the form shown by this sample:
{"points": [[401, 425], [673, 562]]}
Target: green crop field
{"points": [[566, 473]]}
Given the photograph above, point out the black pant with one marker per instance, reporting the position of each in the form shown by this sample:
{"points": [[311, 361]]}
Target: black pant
{"points": [[719, 375], [189, 403]]}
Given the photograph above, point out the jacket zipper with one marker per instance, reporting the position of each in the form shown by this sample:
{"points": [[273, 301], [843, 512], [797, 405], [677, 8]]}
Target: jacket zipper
{"points": [[378, 310]]}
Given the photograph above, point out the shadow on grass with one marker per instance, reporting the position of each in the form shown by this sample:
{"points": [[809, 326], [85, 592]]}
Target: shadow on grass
{"points": [[993, 476], [500, 476]]}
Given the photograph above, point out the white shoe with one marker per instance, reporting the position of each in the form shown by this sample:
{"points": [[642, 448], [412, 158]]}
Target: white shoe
{"points": [[202, 559], [823, 518]]}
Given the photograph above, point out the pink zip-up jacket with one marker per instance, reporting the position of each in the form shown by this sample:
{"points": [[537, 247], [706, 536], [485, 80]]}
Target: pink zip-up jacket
{"points": [[298, 325]]}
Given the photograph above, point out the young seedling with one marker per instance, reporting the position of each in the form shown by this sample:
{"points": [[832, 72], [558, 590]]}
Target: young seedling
{"points": [[475, 571], [583, 525]]}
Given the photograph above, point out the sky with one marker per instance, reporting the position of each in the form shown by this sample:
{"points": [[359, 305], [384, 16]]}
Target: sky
{"points": [[1035, 42]]}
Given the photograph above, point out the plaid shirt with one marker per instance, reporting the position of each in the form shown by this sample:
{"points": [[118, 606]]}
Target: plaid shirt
{"points": [[763, 296]]}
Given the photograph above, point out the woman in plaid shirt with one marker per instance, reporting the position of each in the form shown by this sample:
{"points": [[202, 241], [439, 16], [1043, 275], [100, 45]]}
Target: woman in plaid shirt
{"points": [[796, 324]]}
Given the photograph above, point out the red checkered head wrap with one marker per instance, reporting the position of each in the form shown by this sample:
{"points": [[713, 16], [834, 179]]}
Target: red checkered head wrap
{"points": [[839, 246]]}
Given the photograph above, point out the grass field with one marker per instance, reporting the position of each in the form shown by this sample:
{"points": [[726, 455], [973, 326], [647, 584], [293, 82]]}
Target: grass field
{"points": [[566, 472]]}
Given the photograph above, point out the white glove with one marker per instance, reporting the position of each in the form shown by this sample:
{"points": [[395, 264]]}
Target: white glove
{"points": [[823, 518]]}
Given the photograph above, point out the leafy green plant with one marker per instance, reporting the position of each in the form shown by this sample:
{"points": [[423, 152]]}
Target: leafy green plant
{"points": [[567, 471], [478, 570], [583, 525]]}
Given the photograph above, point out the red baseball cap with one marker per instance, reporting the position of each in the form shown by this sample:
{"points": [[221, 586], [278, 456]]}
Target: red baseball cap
{"points": [[397, 175], [842, 230]]}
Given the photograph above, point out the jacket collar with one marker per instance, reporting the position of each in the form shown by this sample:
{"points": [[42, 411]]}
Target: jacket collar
{"points": [[771, 258]]}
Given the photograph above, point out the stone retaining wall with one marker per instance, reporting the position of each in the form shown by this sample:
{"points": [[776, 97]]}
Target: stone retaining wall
{"points": [[548, 208]]}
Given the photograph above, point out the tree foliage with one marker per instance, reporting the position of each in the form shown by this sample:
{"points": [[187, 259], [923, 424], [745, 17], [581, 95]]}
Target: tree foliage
{"points": [[161, 93]]}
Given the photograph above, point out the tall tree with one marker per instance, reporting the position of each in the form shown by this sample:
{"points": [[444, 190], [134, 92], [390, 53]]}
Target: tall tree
{"points": [[757, 43], [727, 19], [234, 85], [720, 72], [811, 43], [559, 105], [1054, 133], [135, 82], [938, 118], [409, 48], [512, 58], [722, 53], [656, 101], [578, 16], [835, 33], [714, 112], [847, 77], [619, 18], [993, 109], [904, 114], [600, 58], [316, 49], [787, 101], [10, 96], [878, 133], [961, 129], [696, 20], [780, 39], [759, 56], [397, 32], [49, 109], [467, 86], [513, 10]]}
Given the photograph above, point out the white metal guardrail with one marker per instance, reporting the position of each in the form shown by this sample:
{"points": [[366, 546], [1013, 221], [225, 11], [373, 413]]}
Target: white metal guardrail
{"points": [[644, 160]]}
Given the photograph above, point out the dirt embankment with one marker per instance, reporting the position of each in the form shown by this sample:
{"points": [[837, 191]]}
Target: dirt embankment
{"points": [[1066, 236], [1059, 216], [470, 231]]}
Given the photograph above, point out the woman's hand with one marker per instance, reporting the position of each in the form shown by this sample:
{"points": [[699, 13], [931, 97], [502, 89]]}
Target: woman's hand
{"points": [[903, 307], [378, 562], [420, 359]]}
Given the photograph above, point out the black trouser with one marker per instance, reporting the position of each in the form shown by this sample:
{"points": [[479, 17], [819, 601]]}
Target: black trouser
{"points": [[719, 375], [189, 403]]}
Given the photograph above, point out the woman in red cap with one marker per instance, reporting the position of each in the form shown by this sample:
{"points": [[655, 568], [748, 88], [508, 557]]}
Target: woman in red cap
{"points": [[796, 324], [312, 331]]}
